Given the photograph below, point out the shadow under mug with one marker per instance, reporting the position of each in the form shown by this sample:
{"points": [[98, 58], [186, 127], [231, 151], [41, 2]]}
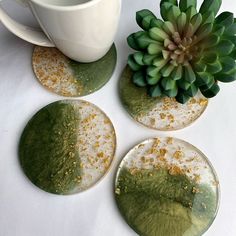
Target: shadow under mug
{"points": [[83, 30]]}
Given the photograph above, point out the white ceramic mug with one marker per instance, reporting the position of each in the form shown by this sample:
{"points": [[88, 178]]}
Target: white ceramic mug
{"points": [[83, 30]]}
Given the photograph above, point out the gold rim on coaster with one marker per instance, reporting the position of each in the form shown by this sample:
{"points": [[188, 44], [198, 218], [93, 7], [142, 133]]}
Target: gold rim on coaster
{"points": [[67, 147], [164, 114], [166, 186], [65, 77]]}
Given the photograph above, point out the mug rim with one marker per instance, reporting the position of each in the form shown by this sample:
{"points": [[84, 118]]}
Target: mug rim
{"points": [[70, 7]]}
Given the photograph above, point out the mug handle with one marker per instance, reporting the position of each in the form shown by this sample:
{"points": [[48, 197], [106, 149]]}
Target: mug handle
{"points": [[27, 33]]}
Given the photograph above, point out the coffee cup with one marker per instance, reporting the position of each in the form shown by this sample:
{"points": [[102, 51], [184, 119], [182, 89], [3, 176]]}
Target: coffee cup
{"points": [[83, 30]]}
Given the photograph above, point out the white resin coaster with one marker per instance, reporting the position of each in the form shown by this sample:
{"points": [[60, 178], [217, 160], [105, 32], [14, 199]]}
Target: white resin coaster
{"points": [[67, 147], [69, 78], [162, 113], [166, 186]]}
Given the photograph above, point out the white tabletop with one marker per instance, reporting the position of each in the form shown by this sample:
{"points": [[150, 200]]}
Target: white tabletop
{"points": [[26, 210]]}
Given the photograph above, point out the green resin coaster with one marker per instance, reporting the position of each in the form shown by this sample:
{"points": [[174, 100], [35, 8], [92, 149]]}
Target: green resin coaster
{"points": [[158, 113], [69, 78], [67, 147], [167, 187]]}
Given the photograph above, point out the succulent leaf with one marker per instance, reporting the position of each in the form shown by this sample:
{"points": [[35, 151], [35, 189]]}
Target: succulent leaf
{"points": [[200, 67], [204, 31], [183, 84], [148, 59], [225, 18], [168, 27], [173, 2], [228, 64], [172, 92], [153, 80], [132, 43], [138, 58], [167, 69], [210, 57], [143, 40], [224, 48], [173, 13], [160, 62], [208, 17], [214, 67], [225, 78], [204, 78], [166, 54], [139, 79], [154, 48], [158, 34], [189, 74], [182, 98], [210, 5], [231, 30], [168, 84], [190, 12], [146, 22], [185, 4], [212, 92], [192, 90], [165, 7], [189, 31], [218, 29], [181, 22], [196, 21], [156, 23], [141, 15], [231, 72], [152, 71], [155, 91], [211, 41], [233, 54], [206, 87], [231, 38], [177, 73], [132, 64]]}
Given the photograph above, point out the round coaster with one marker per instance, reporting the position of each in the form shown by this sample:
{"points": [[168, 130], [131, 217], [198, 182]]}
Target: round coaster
{"points": [[165, 186], [67, 147], [158, 113], [69, 78]]}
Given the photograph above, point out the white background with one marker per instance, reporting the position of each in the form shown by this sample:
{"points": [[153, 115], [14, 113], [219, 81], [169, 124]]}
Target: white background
{"points": [[25, 210]]}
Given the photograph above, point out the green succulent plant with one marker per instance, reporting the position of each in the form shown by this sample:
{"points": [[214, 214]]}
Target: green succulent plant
{"points": [[185, 52]]}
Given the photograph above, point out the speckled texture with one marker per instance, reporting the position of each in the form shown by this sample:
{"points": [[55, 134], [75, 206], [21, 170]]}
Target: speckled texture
{"points": [[167, 187], [160, 113], [67, 147], [69, 78]]}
